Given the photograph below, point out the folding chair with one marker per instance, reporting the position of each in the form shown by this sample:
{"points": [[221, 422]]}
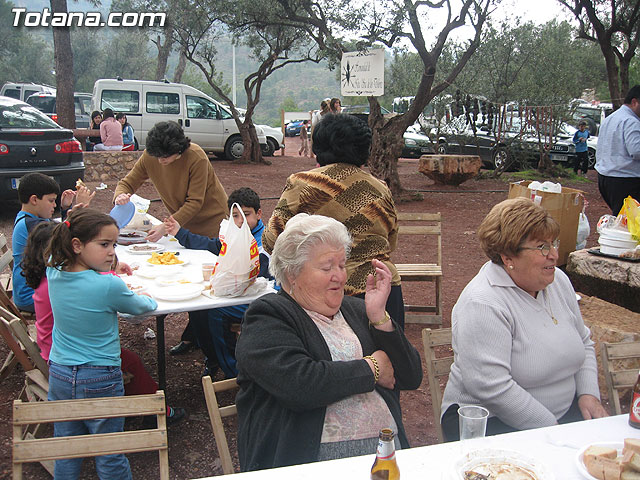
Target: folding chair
{"points": [[436, 368], [49, 449], [616, 361], [6, 262], [423, 224], [216, 414]]}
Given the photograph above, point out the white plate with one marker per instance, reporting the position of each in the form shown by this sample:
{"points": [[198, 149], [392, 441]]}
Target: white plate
{"points": [[133, 284], [580, 456], [144, 249], [177, 293], [476, 458], [171, 280]]}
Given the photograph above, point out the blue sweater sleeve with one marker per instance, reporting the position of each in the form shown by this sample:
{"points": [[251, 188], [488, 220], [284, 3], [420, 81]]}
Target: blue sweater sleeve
{"points": [[125, 301], [198, 242]]}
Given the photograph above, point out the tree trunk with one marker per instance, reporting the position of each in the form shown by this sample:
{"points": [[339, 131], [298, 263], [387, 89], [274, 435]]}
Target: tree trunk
{"points": [[164, 49], [252, 150], [182, 65], [64, 69], [624, 76]]}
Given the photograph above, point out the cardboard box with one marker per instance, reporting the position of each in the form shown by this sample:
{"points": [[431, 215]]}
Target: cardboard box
{"points": [[564, 207]]}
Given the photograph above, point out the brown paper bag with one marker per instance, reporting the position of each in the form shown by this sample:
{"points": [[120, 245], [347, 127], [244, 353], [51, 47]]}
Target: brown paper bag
{"points": [[564, 207]]}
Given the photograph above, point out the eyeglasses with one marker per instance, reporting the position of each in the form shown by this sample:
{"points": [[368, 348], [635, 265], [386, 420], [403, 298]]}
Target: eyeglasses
{"points": [[545, 248]]}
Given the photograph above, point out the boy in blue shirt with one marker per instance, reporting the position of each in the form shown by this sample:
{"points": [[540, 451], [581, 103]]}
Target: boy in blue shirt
{"points": [[213, 327], [582, 150], [37, 194]]}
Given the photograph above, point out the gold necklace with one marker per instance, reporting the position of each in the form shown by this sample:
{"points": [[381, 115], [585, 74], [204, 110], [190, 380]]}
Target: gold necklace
{"points": [[550, 310]]}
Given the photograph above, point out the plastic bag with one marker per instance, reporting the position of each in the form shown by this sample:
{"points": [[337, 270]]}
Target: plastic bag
{"points": [[583, 231], [140, 220], [238, 263], [631, 209]]}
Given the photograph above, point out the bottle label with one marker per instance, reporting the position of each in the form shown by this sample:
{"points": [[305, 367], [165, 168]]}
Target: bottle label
{"points": [[634, 413], [386, 450]]}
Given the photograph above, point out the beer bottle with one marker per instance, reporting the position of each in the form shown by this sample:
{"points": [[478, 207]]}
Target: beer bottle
{"points": [[385, 467], [634, 410]]}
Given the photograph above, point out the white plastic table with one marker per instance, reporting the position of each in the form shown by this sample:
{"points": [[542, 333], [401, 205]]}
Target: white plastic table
{"points": [[555, 447], [193, 270]]}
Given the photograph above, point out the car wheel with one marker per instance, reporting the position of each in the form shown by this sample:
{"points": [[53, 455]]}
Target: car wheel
{"points": [[592, 157], [268, 148], [501, 159], [234, 148], [442, 148]]}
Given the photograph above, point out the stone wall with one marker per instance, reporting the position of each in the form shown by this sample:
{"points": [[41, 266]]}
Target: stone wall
{"points": [[108, 166]]}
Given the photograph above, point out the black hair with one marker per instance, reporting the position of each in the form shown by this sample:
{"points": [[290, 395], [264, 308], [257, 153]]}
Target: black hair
{"points": [[341, 138], [122, 115], [96, 113], [85, 225], [166, 139], [33, 264], [107, 113], [634, 92], [37, 184], [332, 103], [245, 197]]}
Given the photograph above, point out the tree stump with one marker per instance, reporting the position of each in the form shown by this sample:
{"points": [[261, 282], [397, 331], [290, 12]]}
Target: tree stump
{"points": [[450, 169]]}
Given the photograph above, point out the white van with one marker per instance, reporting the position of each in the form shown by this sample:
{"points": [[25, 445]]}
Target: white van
{"points": [[145, 102], [22, 91]]}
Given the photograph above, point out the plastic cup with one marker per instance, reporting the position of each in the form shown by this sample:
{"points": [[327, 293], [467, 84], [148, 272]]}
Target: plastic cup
{"points": [[472, 421], [207, 270]]}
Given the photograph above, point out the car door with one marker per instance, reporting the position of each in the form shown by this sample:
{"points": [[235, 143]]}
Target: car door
{"points": [[161, 104], [203, 123]]}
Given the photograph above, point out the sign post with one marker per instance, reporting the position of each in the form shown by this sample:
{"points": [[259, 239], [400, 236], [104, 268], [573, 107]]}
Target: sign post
{"points": [[362, 73]]}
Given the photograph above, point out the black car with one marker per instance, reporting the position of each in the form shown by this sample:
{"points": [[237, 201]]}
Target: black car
{"points": [[511, 149], [32, 142]]}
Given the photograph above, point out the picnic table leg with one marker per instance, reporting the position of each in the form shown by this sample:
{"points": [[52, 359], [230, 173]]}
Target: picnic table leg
{"points": [[162, 367]]}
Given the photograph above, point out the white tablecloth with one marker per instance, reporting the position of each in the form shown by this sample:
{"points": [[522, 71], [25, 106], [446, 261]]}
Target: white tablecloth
{"points": [[556, 447]]}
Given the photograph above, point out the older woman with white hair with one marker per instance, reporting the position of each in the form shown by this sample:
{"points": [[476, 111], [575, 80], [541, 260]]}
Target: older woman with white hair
{"points": [[318, 369]]}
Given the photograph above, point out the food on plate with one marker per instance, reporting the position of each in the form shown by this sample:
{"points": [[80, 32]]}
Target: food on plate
{"points": [[165, 258], [603, 462], [144, 248], [135, 288], [131, 235], [499, 471]]}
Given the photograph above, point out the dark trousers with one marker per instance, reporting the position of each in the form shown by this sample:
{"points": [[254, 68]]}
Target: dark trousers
{"points": [[615, 189], [395, 305], [495, 426], [581, 162], [188, 335]]}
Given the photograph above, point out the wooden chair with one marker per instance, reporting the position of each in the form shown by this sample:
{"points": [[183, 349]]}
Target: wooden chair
{"points": [[48, 449], [436, 368], [423, 224], [618, 375], [216, 414], [6, 262]]}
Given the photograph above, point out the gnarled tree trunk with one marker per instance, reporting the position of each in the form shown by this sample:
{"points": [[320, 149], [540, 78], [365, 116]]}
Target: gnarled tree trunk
{"points": [[64, 69]]}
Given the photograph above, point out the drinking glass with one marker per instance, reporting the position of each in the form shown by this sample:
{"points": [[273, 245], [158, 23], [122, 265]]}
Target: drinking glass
{"points": [[472, 421], [207, 270]]}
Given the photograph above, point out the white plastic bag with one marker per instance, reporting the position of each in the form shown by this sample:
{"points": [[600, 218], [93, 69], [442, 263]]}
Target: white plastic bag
{"points": [[140, 220], [238, 261], [583, 232]]}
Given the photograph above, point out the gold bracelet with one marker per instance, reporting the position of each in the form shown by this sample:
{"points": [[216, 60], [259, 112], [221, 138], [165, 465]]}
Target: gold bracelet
{"points": [[386, 318], [376, 368]]}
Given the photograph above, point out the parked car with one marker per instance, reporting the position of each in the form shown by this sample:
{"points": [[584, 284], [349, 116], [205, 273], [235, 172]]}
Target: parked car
{"points": [[208, 123], [274, 140], [23, 90], [513, 149], [46, 103], [593, 114], [32, 142], [362, 111], [416, 143], [293, 128]]}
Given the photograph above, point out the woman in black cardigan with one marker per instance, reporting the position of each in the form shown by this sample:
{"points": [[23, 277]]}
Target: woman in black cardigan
{"points": [[318, 370]]}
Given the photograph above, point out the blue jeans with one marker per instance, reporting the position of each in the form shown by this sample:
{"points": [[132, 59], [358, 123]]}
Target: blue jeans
{"points": [[87, 381]]}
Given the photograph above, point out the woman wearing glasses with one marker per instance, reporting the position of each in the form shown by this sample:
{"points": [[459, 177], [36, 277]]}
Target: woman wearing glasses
{"points": [[521, 349]]}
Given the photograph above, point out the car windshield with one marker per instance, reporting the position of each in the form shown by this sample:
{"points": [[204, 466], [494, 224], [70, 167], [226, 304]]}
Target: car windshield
{"points": [[23, 116], [44, 104]]}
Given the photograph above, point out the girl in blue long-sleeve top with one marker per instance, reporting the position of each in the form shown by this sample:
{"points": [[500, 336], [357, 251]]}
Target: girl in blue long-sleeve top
{"points": [[85, 355]]}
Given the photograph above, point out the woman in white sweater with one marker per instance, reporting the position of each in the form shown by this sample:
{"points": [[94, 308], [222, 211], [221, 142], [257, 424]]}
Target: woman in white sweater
{"points": [[521, 348]]}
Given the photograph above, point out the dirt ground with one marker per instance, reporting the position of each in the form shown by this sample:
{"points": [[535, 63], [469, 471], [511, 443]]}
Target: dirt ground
{"points": [[192, 451]]}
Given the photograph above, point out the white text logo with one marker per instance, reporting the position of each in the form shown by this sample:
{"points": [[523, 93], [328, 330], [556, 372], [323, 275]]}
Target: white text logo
{"points": [[22, 18]]}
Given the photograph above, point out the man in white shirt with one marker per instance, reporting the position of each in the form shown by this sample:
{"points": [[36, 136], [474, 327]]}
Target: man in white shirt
{"points": [[618, 153]]}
